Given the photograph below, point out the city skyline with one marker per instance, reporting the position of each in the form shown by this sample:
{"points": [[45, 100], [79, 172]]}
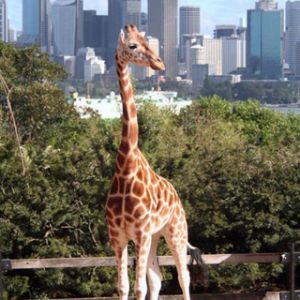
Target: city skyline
{"points": [[212, 12]]}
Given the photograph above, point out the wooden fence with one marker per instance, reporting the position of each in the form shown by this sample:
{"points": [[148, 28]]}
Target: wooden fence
{"points": [[213, 259]]}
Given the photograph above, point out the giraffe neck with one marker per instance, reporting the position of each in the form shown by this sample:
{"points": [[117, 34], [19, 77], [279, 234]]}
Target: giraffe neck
{"points": [[129, 141]]}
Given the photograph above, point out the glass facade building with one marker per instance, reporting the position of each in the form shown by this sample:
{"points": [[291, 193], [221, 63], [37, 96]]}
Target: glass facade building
{"points": [[67, 19], [3, 21], [162, 24], [264, 43], [31, 20]]}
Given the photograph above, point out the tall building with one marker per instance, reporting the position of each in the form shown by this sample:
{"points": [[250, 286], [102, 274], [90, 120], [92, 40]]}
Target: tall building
{"points": [[3, 21], [131, 12], [120, 13], [233, 54], [36, 24], [31, 21], [95, 30], [162, 24], [292, 36], [189, 23], [45, 26], [67, 21], [264, 41]]}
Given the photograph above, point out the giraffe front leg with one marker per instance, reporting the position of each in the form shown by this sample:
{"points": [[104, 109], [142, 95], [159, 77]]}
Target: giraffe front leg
{"points": [[142, 252], [153, 272], [122, 262]]}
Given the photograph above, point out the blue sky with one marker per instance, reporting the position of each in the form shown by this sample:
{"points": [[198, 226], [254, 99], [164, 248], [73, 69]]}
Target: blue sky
{"points": [[212, 11]]}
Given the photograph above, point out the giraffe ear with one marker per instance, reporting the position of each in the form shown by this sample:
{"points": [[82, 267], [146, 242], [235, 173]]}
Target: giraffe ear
{"points": [[121, 37], [143, 33]]}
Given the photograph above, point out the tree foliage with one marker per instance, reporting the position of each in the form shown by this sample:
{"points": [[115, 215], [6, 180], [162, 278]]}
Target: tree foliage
{"points": [[235, 166]]}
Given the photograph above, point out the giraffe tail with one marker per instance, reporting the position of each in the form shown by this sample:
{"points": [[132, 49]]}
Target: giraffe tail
{"points": [[197, 267]]}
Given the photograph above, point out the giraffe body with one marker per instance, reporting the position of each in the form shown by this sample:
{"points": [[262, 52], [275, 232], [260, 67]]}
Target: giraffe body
{"points": [[141, 205]]}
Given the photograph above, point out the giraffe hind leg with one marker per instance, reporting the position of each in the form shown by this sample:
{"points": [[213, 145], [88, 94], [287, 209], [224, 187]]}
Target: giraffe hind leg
{"points": [[177, 243]]}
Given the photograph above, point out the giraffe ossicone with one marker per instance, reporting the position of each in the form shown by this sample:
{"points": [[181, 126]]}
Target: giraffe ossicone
{"points": [[141, 205]]}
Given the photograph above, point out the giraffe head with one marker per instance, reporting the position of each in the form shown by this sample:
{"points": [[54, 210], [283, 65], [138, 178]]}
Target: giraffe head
{"points": [[133, 48]]}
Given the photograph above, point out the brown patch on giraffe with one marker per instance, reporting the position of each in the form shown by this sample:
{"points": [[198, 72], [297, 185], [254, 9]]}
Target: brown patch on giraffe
{"points": [[114, 186], [118, 222], [121, 160], [147, 202], [130, 204], [132, 110], [124, 147], [109, 215], [177, 211], [131, 165], [159, 205], [125, 110], [153, 177], [140, 174], [128, 188], [129, 95], [125, 130], [129, 219], [115, 204], [139, 212], [134, 133], [138, 189], [164, 211], [121, 185], [110, 223], [113, 233], [114, 242]]}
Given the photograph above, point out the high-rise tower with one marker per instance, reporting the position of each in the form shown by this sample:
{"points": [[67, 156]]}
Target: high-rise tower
{"points": [[264, 41], [3, 21], [36, 24], [189, 24], [292, 36], [162, 24], [67, 18], [120, 12]]}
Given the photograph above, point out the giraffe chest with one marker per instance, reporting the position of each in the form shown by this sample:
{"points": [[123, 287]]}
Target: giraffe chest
{"points": [[139, 202]]}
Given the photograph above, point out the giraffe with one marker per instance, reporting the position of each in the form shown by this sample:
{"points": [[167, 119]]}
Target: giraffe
{"points": [[141, 205]]}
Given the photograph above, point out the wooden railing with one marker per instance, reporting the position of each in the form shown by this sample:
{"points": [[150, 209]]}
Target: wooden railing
{"points": [[213, 259]]}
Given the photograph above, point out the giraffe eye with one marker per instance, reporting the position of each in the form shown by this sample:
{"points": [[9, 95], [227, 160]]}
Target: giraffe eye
{"points": [[132, 46]]}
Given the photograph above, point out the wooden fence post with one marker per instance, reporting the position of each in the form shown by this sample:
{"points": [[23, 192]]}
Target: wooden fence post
{"points": [[1, 277], [292, 272]]}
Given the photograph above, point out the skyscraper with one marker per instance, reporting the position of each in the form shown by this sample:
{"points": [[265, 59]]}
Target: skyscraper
{"points": [[95, 32], [189, 23], [67, 18], [131, 12], [121, 12], [264, 41], [45, 26], [189, 20], [114, 27], [292, 36], [31, 21], [3, 21], [36, 24], [162, 24]]}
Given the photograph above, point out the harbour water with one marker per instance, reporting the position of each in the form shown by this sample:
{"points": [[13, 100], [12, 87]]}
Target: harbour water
{"points": [[110, 107]]}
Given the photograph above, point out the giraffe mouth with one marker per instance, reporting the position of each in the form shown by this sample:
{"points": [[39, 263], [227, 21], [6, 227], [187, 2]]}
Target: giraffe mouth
{"points": [[157, 65]]}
